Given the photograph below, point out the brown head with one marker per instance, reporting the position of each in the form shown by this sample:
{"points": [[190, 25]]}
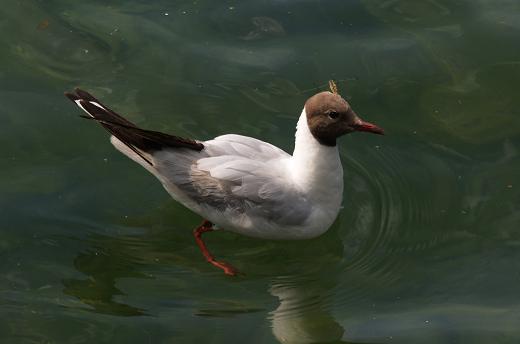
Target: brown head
{"points": [[329, 116]]}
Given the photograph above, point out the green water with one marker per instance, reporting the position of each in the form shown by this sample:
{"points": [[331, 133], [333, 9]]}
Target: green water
{"points": [[425, 250]]}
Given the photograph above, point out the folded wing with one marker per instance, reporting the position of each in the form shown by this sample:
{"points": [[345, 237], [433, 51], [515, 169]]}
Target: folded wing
{"points": [[238, 174]]}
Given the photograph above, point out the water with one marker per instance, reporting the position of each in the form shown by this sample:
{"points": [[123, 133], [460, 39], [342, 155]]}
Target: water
{"points": [[426, 249]]}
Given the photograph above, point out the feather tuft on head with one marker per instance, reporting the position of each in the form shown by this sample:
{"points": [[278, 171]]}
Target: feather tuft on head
{"points": [[333, 87]]}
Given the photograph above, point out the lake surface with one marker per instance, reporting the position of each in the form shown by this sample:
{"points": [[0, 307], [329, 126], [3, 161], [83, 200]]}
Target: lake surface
{"points": [[425, 250]]}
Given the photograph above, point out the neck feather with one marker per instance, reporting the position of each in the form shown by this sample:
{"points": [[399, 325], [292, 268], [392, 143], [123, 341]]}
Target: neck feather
{"points": [[314, 165]]}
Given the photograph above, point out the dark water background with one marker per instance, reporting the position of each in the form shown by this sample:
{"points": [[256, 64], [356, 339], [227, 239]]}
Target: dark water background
{"points": [[426, 249]]}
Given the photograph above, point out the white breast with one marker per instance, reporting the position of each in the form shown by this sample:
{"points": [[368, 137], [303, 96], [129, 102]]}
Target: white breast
{"points": [[316, 169]]}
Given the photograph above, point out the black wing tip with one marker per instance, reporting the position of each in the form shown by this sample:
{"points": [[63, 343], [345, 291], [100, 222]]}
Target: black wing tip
{"points": [[80, 94], [127, 132], [98, 113], [85, 95]]}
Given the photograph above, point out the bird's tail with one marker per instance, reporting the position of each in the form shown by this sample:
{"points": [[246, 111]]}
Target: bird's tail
{"points": [[140, 141]]}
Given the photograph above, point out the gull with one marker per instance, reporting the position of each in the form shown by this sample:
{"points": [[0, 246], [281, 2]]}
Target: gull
{"points": [[242, 184]]}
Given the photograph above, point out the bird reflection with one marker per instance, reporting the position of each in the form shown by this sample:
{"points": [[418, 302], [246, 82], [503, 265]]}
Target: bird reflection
{"points": [[303, 316], [306, 292], [307, 300], [103, 265]]}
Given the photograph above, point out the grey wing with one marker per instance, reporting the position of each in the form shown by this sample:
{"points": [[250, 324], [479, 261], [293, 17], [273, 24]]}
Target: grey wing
{"points": [[243, 146], [238, 174]]}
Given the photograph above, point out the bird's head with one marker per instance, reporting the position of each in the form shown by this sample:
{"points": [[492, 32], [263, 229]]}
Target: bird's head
{"points": [[329, 116]]}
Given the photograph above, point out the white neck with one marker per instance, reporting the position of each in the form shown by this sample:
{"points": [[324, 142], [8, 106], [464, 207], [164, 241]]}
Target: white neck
{"points": [[316, 168]]}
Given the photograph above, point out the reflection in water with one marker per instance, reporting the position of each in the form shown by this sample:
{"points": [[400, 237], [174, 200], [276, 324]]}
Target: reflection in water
{"points": [[302, 316], [103, 265]]}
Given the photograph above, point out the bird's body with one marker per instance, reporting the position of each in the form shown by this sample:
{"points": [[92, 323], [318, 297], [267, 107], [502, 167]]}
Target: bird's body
{"points": [[243, 184], [251, 187]]}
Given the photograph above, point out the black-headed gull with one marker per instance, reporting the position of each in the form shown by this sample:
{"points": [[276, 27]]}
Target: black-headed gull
{"points": [[242, 184]]}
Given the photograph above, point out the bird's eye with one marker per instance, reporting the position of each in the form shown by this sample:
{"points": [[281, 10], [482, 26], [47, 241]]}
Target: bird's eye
{"points": [[333, 114]]}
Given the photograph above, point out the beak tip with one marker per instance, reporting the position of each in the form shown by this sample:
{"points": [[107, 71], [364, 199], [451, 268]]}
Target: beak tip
{"points": [[371, 128]]}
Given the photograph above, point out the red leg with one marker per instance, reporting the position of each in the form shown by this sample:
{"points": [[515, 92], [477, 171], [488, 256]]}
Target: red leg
{"points": [[207, 226]]}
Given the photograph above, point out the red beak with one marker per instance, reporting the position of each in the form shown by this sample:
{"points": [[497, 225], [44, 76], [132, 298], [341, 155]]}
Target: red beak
{"points": [[369, 127]]}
